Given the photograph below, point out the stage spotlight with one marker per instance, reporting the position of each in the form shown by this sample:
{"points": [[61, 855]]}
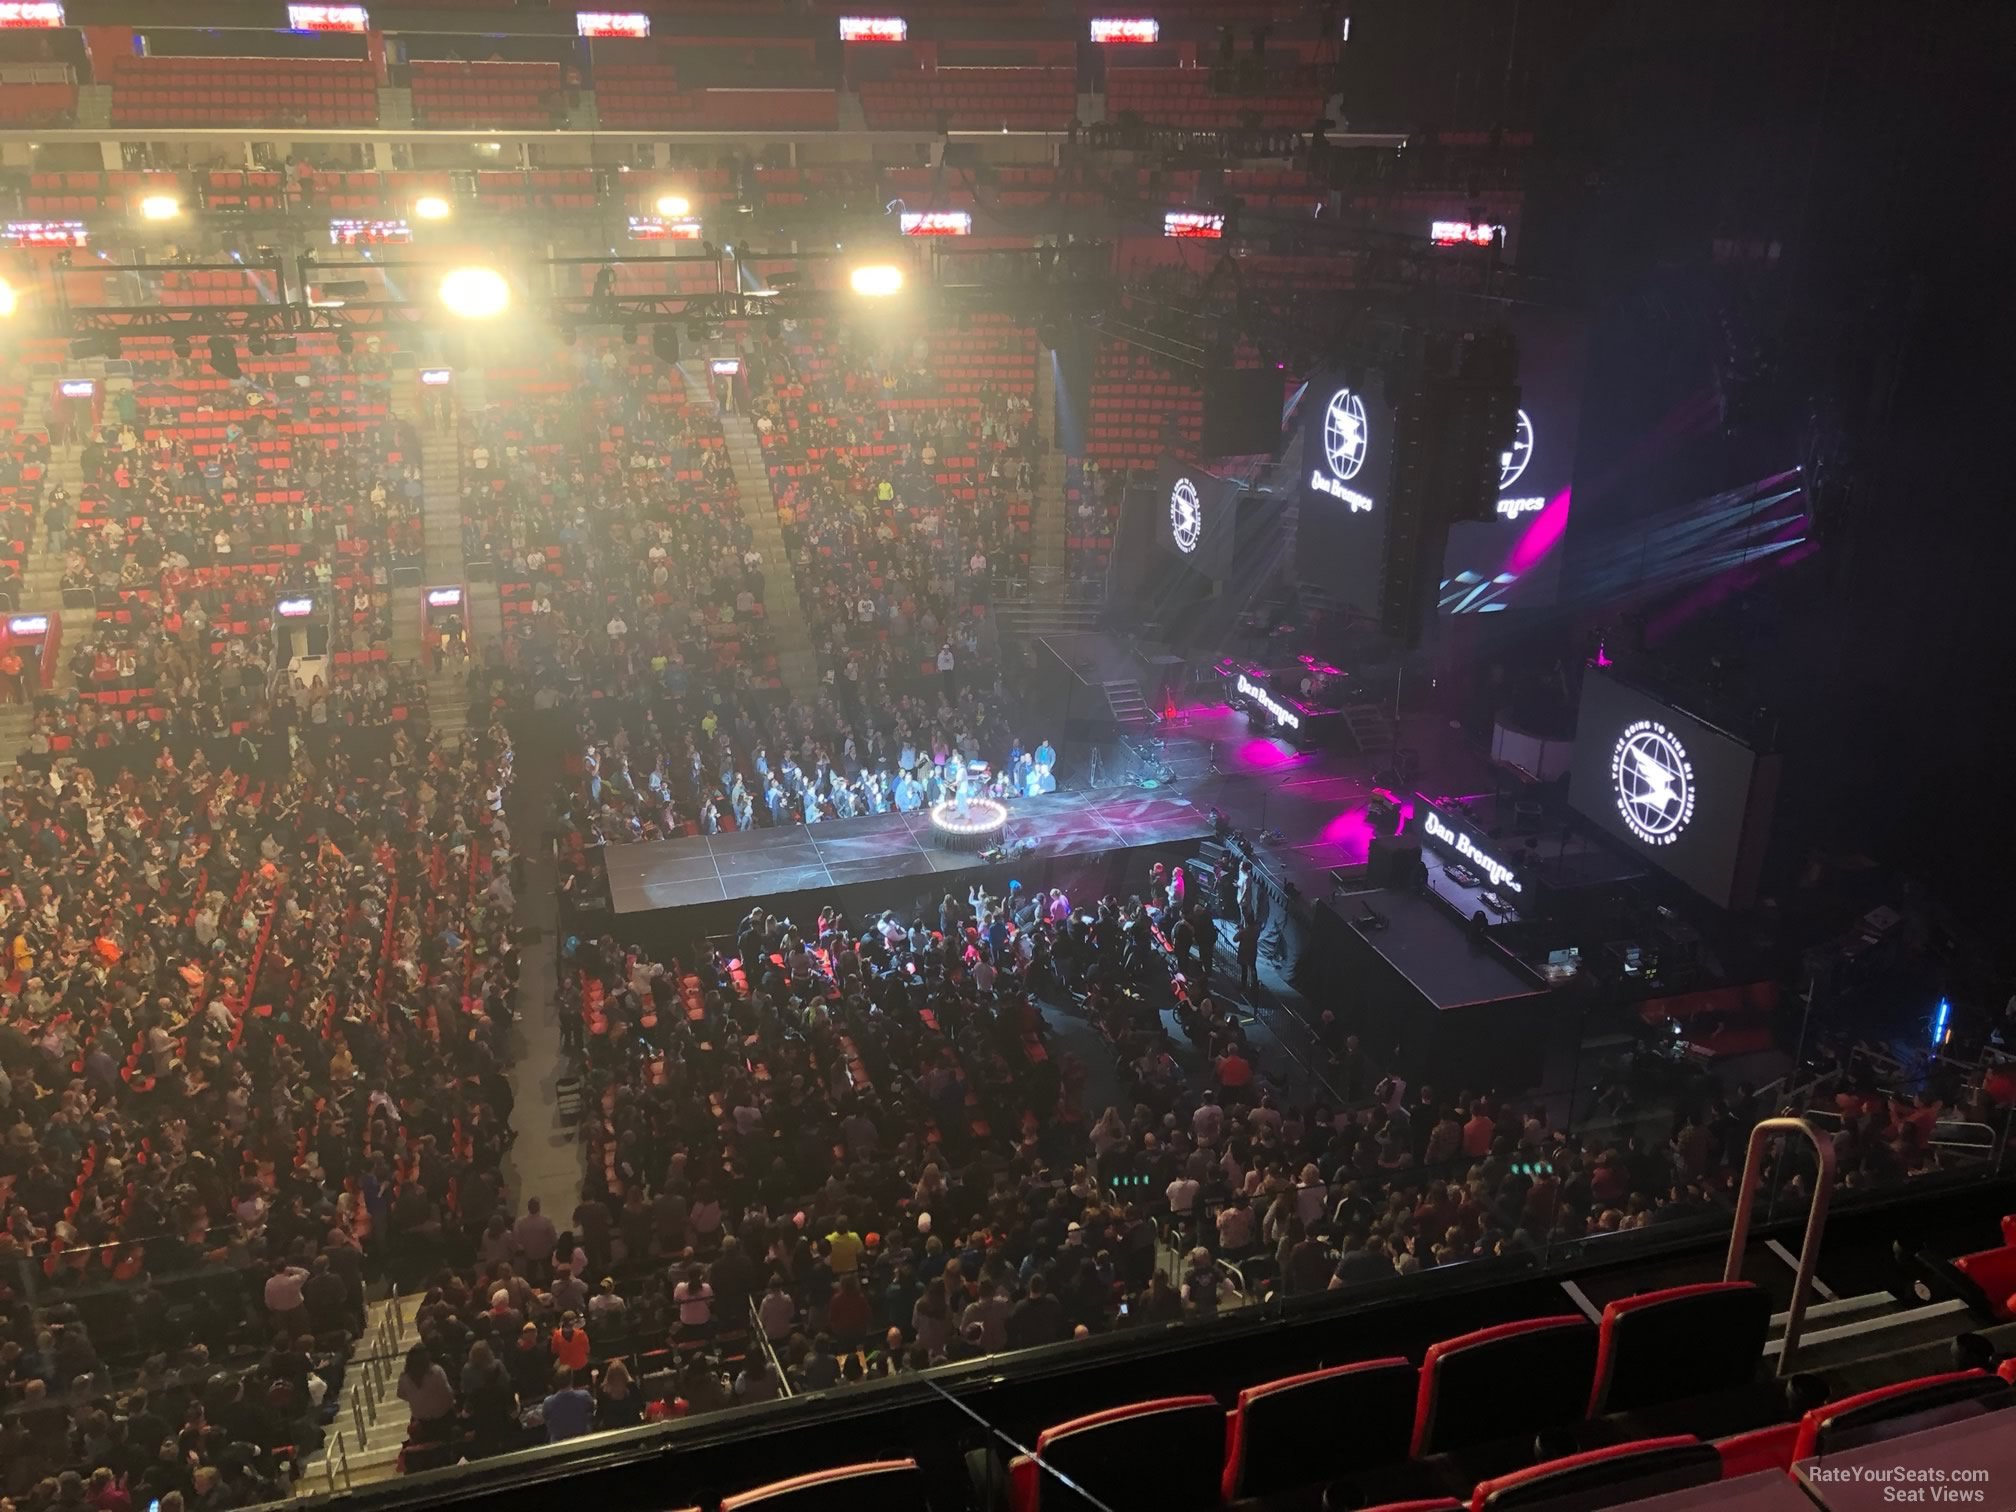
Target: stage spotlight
{"points": [[345, 343], [431, 207], [9, 300], [224, 357], [160, 207], [179, 345], [630, 335], [256, 345], [673, 206], [475, 293], [877, 281]]}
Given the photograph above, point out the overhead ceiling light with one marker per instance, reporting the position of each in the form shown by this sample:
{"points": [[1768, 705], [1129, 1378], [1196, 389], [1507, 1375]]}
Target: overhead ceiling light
{"points": [[475, 293], [877, 281], [431, 207]]}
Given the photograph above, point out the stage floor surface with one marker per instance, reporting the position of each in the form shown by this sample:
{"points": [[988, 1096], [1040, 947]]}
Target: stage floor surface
{"points": [[800, 858]]}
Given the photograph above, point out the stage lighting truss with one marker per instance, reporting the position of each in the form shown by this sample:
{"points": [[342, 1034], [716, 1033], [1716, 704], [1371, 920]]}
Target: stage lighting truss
{"points": [[983, 816]]}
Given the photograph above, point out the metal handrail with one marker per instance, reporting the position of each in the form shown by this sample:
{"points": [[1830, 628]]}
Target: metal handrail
{"points": [[1816, 1221]]}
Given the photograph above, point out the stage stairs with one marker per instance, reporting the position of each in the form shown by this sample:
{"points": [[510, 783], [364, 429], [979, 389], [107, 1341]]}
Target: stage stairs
{"points": [[1371, 727], [1130, 709]]}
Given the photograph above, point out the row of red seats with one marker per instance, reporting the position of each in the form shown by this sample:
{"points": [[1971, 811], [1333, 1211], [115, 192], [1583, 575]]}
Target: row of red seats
{"points": [[1163, 1454]]}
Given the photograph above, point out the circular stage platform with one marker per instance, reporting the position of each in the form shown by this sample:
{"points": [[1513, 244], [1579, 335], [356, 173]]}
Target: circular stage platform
{"points": [[978, 828]]}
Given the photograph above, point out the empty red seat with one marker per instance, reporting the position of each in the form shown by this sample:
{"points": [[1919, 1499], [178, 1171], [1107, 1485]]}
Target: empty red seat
{"points": [[1270, 1449], [1614, 1476], [1168, 1453], [1987, 1278], [1680, 1342], [1903, 1407], [880, 1486], [1505, 1382]]}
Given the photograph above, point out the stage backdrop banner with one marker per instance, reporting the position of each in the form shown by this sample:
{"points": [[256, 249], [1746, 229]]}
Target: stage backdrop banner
{"points": [[1514, 560], [1197, 516], [1347, 461], [1691, 799]]}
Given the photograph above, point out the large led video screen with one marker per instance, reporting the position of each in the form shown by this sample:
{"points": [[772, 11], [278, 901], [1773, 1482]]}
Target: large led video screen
{"points": [[1689, 798], [1196, 517], [1513, 561], [1347, 464]]}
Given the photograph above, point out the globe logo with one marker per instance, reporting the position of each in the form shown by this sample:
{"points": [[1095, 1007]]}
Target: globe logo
{"points": [[1512, 461], [1653, 782], [1186, 517], [1344, 434]]}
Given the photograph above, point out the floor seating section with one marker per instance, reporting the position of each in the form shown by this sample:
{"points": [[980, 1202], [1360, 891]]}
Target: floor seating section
{"points": [[485, 94], [243, 91], [1268, 1446], [1463, 1398], [880, 1486], [1684, 1341], [1184, 97], [1164, 1453], [972, 99]]}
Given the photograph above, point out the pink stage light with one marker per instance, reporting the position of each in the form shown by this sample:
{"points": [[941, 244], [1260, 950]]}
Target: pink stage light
{"points": [[1353, 830], [1262, 752], [1542, 535]]}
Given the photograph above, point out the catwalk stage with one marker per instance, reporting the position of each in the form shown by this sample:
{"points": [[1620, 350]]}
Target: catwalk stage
{"points": [[682, 888]]}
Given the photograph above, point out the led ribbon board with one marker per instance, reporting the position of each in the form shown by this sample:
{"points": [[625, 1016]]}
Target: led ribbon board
{"points": [[44, 234], [1138, 31], [369, 233], [874, 29], [1463, 234], [936, 223], [612, 24], [328, 18]]}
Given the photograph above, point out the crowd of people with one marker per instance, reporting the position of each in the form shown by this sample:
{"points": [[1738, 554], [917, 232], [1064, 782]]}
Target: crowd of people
{"points": [[260, 957], [199, 507]]}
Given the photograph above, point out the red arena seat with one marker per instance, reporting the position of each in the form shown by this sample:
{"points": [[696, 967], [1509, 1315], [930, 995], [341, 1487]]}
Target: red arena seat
{"points": [[1988, 1277], [878, 1486], [1268, 1444], [1900, 1408], [1504, 1382], [1684, 1341], [1604, 1477], [1168, 1453]]}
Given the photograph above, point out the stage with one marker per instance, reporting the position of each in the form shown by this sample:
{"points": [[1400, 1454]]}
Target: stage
{"points": [[677, 885]]}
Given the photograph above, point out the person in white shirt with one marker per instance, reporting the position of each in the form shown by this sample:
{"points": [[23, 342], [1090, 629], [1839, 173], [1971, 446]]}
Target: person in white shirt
{"points": [[1183, 1196], [695, 1300], [616, 628], [1208, 1122]]}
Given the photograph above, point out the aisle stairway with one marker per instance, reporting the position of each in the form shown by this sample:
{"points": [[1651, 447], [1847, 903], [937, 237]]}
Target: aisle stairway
{"points": [[42, 577], [1049, 517], [365, 1436], [441, 522], [797, 663]]}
